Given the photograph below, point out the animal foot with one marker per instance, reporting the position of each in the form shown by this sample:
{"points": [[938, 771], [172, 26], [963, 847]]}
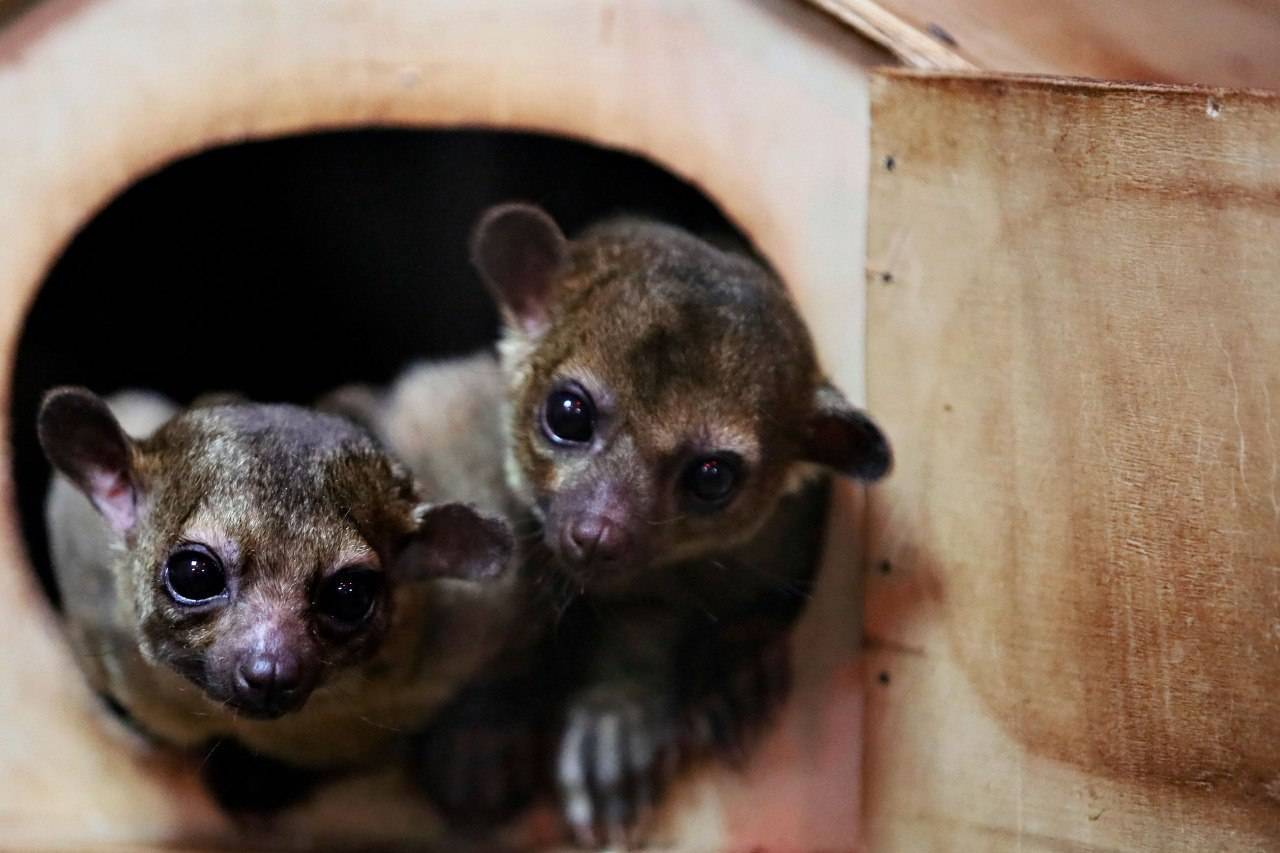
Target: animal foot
{"points": [[478, 762], [617, 753]]}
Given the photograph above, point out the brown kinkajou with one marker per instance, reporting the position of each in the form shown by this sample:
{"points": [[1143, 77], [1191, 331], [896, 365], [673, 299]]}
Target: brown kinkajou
{"points": [[663, 398], [263, 574]]}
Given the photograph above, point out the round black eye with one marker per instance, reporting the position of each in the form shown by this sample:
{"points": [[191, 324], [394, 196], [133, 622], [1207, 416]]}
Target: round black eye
{"points": [[568, 416], [194, 577], [346, 599], [711, 479]]}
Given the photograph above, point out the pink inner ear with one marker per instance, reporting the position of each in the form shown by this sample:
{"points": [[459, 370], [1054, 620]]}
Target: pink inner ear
{"points": [[112, 493]]}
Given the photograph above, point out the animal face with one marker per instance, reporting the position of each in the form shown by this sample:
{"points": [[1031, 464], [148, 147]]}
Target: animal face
{"points": [[269, 575], [663, 393], [262, 545], [644, 430]]}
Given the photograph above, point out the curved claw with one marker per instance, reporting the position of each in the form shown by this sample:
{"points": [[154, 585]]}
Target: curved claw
{"points": [[612, 768]]}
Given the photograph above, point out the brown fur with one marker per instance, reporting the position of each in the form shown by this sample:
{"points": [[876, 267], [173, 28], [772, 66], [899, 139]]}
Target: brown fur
{"points": [[685, 349], [477, 761], [687, 352], [443, 421], [285, 497]]}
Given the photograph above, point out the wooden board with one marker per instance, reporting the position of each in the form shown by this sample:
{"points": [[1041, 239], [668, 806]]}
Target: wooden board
{"points": [[1223, 43], [1073, 615], [761, 104], [913, 44]]}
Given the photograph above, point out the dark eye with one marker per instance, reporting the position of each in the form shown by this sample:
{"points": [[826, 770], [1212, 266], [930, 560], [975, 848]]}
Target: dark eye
{"points": [[568, 416], [346, 599], [194, 577], [712, 479]]}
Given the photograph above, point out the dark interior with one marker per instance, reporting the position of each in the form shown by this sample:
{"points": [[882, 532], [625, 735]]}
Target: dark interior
{"points": [[285, 268]]}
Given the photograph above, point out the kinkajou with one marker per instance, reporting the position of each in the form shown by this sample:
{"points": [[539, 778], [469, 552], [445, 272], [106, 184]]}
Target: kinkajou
{"points": [[663, 402], [262, 573]]}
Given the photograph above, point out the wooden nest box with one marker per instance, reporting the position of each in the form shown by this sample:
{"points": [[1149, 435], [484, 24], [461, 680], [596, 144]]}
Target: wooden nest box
{"points": [[1057, 626]]}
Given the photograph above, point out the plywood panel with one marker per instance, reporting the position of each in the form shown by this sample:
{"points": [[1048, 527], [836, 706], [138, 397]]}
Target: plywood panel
{"points": [[1074, 339], [1223, 43], [761, 104]]}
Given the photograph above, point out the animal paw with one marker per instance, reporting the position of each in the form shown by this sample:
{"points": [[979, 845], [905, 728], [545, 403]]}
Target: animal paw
{"points": [[478, 762], [616, 755]]}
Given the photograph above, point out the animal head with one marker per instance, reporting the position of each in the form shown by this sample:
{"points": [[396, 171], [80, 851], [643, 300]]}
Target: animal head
{"points": [[664, 393], [261, 544]]}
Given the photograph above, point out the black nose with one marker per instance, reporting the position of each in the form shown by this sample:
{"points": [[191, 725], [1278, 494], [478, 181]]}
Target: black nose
{"points": [[594, 538], [270, 683]]}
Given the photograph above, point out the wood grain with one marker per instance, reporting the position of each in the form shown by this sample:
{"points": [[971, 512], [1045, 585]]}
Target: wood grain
{"points": [[1074, 338], [914, 45], [1224, 43], [761, 104]]}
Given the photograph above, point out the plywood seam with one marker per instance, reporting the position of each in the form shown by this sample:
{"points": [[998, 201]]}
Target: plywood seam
{"points": [[1063, 83]]}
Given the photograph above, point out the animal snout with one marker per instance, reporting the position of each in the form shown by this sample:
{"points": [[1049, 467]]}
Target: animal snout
{"points": [[595, 539], [269, 684]]}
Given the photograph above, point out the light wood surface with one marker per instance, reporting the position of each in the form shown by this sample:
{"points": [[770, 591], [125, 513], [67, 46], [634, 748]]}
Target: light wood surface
{"points": [[911, 43], [1222, 43], [1074, 339], [761, 104]]}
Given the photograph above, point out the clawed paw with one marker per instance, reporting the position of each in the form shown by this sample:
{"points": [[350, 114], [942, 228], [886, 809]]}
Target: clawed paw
{"points": [[616, 756]]}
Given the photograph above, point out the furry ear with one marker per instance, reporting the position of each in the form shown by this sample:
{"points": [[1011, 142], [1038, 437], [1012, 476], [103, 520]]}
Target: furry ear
{"points": [[83, 440], [844, 438], [518, 249], [455, 541]]}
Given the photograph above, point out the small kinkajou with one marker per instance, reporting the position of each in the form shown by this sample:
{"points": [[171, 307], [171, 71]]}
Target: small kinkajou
{"points": [[262, 575], [664, 409]]}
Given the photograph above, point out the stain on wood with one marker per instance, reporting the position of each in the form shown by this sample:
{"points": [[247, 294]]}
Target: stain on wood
{"points": [[1079, 363]]}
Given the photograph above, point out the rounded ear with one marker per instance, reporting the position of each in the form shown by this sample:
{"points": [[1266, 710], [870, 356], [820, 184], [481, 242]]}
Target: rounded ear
{"points": [[843, 438], [82, 439], [519, 249], [455, 541]]}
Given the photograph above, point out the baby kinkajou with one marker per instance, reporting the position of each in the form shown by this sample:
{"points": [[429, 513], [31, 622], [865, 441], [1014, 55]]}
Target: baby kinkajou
{"points": [[663, 397], [261, 573]]}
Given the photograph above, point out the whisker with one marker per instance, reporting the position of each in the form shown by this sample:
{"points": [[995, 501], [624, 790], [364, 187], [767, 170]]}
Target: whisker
{"points": [[209, 754], [777, 581], [381, 726]]}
